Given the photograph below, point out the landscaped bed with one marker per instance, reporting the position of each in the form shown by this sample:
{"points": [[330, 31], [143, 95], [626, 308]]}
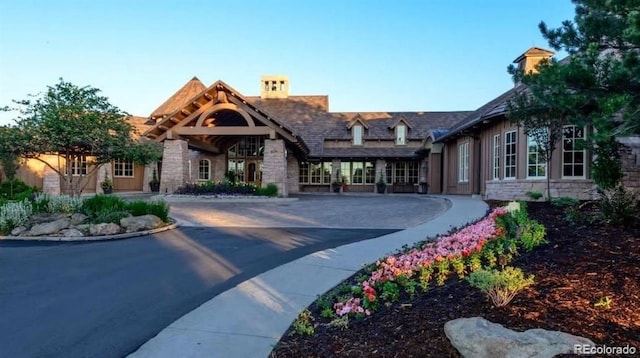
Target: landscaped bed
{"points": [[68, 217], [587, 283]]}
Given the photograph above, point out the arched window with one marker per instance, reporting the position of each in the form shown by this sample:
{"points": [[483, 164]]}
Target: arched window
{"points": [[204, 169]]}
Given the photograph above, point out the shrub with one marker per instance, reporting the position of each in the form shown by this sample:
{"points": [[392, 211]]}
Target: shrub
{"points": [[565, 201], [96, 205], [215, 188], [534, 195], [16, 190], [157, 208], [109, 216], [303, 324], [500, 286], [13, 214], [619, 206], [270, 190], [64, 204]]}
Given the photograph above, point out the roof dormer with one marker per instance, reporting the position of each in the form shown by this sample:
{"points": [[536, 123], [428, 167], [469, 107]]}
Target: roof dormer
{"points": [[274, 86], [528, 61], [401, 127]]}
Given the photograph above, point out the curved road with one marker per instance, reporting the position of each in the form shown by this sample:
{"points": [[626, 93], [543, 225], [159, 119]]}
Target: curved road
{"points": [[105, 299]]}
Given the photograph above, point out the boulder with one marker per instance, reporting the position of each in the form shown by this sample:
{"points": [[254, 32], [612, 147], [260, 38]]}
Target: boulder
{"points": [[478, 338], [143, 222], [71, 233], [84, 228], [78, 218], [49, 227], [105, 229], [18, 230]]}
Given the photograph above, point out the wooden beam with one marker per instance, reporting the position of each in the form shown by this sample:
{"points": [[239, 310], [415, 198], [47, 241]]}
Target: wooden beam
{"points": [[185, 112], [204, 146], [186, 121], [232, 130], [164, 128], [196, 104], [174, 120], [265, 120], [208, 96]]}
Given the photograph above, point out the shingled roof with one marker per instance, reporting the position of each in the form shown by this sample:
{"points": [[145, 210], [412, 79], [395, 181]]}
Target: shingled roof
{"points": [[494, 108], [180, 98]]}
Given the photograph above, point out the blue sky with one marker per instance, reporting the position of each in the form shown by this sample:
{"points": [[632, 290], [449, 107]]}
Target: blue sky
{"points": [[367, 55]]}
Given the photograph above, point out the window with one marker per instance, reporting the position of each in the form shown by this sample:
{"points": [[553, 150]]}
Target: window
{"points": [[123, 168], [204, 169], [510, 139], [369, 173], [304, 173], [536, 165], [463, 163], [266, 85], [573, 158], [402, 172], [357, 134], [345, 172], [496, 157], [357, 169], [79, 166], [401, 134], [316, 173]]}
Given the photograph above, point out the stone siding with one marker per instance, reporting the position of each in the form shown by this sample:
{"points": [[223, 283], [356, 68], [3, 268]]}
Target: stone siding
{"points": [[516, 189], [293, 175], [175, 165], [51, 182], [630, 158], [275, 165]]}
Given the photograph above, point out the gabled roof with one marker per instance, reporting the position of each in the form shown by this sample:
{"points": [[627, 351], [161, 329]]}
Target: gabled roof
{"points": [[180, 98], [355, 120], [397, 122]]}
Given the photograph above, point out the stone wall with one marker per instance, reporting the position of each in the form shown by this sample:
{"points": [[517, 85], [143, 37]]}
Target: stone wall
{"points": [[51, 182], [293, 175], [275, 165], [175, 162], [516, 189], [630, 159]]}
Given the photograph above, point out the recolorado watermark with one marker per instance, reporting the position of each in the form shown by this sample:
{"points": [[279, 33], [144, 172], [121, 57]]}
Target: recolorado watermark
{"points": [[587, 349]]}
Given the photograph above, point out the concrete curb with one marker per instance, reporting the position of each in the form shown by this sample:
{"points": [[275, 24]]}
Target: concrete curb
{"points": [[249, 319], [215, 199], [175, 224]]}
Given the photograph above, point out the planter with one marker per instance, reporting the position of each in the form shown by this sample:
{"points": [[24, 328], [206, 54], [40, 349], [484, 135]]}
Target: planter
{"points": [[381, 188], [335, 188], [155, 187], [107, 190]]}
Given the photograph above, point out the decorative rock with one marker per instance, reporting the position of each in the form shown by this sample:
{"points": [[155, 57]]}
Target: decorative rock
{"points": [[49, 228], [104, 229], [143, 222], [18, 230], [71, 233], [478, 338], [84, 228], [78, 218]]}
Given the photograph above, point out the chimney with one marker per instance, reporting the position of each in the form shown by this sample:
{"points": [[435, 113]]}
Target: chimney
{"points": [[528, 60], [274, 86]]}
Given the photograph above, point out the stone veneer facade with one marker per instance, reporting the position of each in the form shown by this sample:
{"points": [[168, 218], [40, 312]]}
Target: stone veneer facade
{"points": [[275, 165], [175, 165], [517, 189]]}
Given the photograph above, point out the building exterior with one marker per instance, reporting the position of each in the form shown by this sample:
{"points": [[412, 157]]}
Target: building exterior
{"points": [[296, 142]]}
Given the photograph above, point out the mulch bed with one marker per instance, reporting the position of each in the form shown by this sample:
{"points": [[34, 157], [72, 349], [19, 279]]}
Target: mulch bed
{"points": [[582, 264]]}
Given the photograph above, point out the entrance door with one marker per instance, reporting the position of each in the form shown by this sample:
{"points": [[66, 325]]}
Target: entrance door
{"points": [[253, 172]]}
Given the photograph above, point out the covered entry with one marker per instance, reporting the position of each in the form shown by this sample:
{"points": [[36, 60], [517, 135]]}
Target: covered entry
{"points": [[239, 137]]}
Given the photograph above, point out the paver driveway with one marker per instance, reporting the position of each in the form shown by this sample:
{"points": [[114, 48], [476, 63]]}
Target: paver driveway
{"points": [[104, 299]]}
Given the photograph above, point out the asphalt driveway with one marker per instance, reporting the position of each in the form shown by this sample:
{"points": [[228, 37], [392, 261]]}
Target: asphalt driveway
{"points": [[105, 299]]}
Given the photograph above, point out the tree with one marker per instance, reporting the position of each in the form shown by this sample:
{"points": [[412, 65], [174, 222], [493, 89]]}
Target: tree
{"points": [[81, 128], [598, 84]]}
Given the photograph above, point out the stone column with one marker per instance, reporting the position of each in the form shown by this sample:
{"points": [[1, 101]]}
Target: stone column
{"points": [[381, 165], [148, 175], [218, 167], [103, 171], [275, 165], [175, 165], [293, 175], [336, 174], [50, 181]]}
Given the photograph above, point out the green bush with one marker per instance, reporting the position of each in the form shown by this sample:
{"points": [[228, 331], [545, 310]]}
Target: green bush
{"points": [[96, 205], [19, 192], [216, 188], [108, 216], [270, 190], [13, 214], [619, 206], [565, 201], [500, 286], [534, 195], [303, 324], [157, 208]]}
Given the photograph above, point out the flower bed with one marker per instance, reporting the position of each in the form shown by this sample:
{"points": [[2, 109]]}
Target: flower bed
{"points": [[491, 241]]}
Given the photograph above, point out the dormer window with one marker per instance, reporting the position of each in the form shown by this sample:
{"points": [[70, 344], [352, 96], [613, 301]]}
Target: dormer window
{"points": [[357, 134], [401, 134]]}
